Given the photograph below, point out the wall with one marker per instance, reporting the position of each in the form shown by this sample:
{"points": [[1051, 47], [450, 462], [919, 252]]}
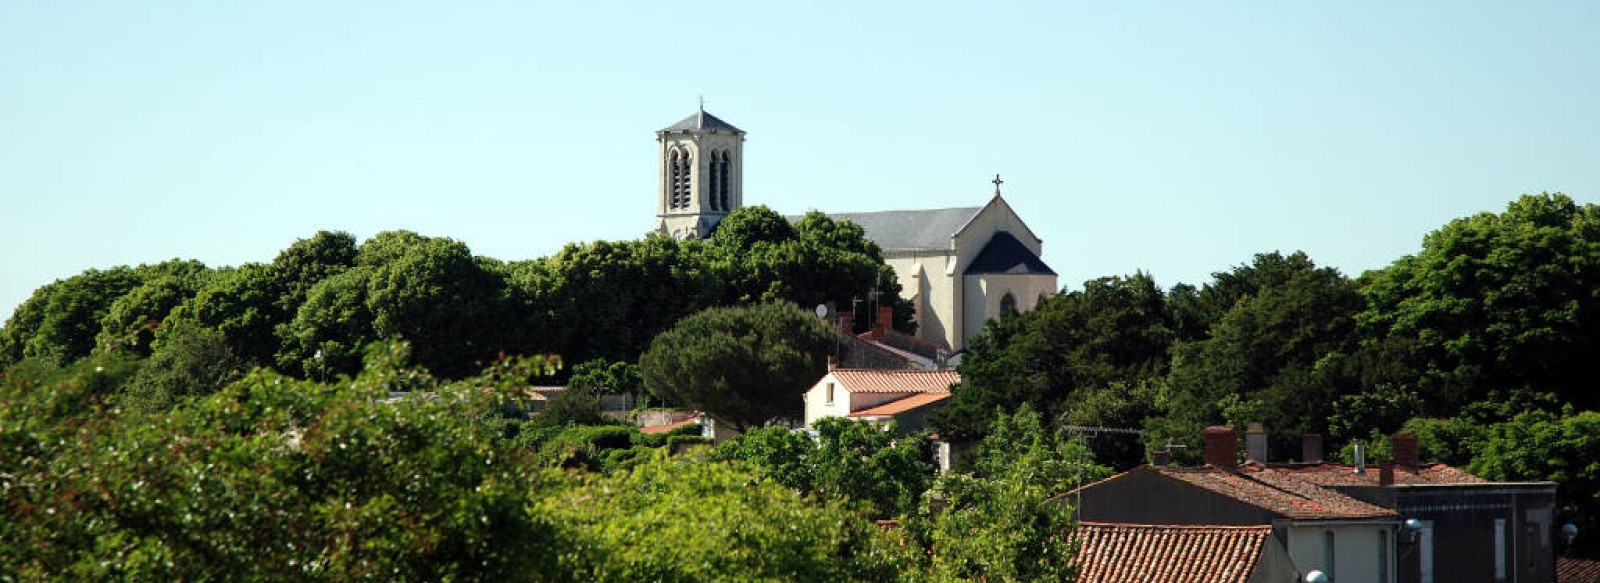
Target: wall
{"points": [[983, 293], [1356, 555]]}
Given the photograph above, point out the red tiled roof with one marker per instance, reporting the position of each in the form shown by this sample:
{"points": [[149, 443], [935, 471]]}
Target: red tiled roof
{"points": [[668, 427], [1326, 474], [1116, 553], [1277, 493], [895, 381], [899, 406], [1577, 570]]}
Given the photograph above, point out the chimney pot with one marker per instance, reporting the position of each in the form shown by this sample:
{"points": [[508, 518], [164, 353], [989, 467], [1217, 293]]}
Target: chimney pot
{"points": [[1311, 448], [1405, 451], [1255, 443], [847, 323], [885, 320], [1222, 447]]}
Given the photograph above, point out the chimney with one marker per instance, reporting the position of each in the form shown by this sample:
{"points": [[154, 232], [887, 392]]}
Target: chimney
{"points": [[1361, 458], [1311, 448], [885, 321], [1160, 457], [1222, 447], [1405, 451], [1255, 443], [1386, 474], [847, 323]]}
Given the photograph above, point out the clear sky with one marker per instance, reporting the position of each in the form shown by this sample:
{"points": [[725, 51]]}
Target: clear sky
{"points": [[1176, 138]]}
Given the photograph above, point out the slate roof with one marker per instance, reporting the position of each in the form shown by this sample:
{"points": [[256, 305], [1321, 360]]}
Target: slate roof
{"points": [[895, 381], [911, 230], [899, 406], [1277, 493], [1117, 553], [1005, 254], [702, 122]]}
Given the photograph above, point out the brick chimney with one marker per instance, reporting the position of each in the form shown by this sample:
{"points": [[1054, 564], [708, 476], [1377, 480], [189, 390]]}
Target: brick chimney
{"points": [[1405, 451], [1311, 448], [1255, 443], [847, 323], [1222, 447], [1160, 457], [1386, 474], [885, 321]]}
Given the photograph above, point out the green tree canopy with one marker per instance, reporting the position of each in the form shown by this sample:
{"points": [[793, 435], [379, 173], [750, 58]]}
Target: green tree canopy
{"points": [[743, 365]]}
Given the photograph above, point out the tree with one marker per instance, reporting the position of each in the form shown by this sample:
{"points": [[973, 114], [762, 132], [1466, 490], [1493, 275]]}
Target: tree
{"points": [[848, 460], [59, 322], [189, 361], [1114, 332], [1498, 301], [743, 365], [1279, 350], [1539, 445]]}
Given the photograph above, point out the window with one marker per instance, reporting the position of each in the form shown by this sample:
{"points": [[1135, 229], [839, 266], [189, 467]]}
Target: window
{"points": [[679, 162], [722, 181], [1383, 556], [1499, 549], [716, 185], [830, 393], [1008, 303], [1327, 555]]}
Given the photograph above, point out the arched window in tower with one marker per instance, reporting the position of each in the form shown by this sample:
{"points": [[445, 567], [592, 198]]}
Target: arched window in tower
{"points": [[716, 175], [722, 181], [1008, 303], [680, 161]]}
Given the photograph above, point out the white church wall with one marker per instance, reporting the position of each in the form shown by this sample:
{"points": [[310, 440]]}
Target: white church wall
{"points": [[935, 291], [984, 293]]}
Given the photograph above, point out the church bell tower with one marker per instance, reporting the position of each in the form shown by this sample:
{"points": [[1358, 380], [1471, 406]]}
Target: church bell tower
{"points": [[702, 170]]}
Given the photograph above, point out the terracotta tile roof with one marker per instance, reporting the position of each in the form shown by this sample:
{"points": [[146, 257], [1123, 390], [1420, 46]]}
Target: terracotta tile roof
{"points": [[1116, 553], [1327, 474], [895, 381], [1577, 570], [899, 406], [1277, 493], [668, 427]]}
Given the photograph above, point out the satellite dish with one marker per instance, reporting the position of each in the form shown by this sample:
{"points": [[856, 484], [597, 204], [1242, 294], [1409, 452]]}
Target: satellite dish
{"points": [[822, 310]]}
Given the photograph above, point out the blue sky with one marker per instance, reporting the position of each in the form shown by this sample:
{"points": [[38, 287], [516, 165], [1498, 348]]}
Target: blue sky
{"points": [[1176, 138]]}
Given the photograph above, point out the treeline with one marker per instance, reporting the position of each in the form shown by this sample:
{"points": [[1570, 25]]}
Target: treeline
{"points": [[274, 478], [310, 312], [1486, 344]]}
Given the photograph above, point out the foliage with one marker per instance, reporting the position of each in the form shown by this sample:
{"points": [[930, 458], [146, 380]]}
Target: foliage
{"points": [[190, 361], [1559, 447], [607, 378], [676, 519], [1114, 332], [1000, 523], [847, 460], [742, 365], [1498, 301]]}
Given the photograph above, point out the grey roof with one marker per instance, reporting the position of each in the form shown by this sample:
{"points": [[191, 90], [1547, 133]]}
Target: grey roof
{"points": [[1005, 254], [911, 230], [702, 122]]}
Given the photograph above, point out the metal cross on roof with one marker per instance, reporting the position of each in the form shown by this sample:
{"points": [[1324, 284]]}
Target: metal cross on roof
{"points": [[997, 182]]}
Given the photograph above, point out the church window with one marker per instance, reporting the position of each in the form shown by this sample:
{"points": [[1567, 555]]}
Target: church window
{"points": [[722, 181], [680, 162], [716, 177], [1008, 303]]}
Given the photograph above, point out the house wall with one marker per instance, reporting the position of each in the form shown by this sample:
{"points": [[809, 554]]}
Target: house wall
{"points": [[1461, 520], [816, 400], [1356, 554]]}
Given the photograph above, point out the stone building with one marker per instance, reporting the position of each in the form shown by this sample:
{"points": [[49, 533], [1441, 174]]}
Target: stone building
{"points": [[958, 266]]}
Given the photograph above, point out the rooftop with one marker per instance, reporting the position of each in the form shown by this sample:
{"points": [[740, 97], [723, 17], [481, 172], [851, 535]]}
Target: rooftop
{"points": [[1135, 553], [899, 406], [702, 122], [1005, 254], [1280, 494], [911, 230], [895, 381]]}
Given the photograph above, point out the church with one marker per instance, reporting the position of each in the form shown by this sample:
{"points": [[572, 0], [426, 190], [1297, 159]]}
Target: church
{"points": [[959, 266]]}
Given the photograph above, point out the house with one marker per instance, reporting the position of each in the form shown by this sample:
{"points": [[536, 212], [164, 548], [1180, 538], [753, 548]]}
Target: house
{"points": [[958, 266], [1406, 521], [880, 396], [1136, 553], [884, 348]]}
